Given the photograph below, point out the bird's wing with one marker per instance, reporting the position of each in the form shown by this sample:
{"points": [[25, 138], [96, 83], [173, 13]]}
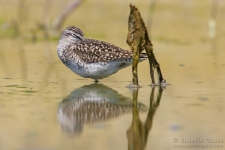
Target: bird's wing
{"points": [[93, 51]]}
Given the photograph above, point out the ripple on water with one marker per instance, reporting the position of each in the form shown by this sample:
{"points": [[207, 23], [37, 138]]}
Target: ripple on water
{"points": [[11, 85]]}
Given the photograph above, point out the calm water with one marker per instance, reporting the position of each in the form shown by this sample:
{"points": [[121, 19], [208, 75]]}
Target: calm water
{"points": [[45, 106]]}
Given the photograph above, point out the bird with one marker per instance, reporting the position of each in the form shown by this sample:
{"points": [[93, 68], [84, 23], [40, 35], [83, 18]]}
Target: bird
{"points": [[90, 58]]}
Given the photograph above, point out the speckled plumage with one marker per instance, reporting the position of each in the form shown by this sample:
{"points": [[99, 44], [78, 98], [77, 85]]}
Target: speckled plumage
{"points": [[91, 58]]}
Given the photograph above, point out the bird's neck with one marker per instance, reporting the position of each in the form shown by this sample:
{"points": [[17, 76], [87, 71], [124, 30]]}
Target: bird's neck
{"points": [[62, 46]]}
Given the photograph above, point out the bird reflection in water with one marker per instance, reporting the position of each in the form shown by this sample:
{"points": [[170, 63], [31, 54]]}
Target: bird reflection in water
{"points": [[137, 134], [90, 104]]}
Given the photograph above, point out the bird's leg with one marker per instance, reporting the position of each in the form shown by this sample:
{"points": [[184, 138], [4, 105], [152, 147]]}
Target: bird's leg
{"points": [[96, 81]]}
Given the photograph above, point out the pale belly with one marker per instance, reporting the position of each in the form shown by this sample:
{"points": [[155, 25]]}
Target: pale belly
{"points": [[98, 70]]}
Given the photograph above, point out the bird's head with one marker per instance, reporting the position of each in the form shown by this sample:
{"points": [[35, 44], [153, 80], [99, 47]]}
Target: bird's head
{"points": [[72, 34]]}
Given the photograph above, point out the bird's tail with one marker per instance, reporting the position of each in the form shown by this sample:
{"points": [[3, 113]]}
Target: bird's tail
{"points": [[143, 56]]}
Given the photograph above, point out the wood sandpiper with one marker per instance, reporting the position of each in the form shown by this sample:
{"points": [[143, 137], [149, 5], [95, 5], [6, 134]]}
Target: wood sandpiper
{"points": [[91, 58]]}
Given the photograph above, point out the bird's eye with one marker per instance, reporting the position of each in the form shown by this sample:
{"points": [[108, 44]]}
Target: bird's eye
{"points": [[73, 34]]}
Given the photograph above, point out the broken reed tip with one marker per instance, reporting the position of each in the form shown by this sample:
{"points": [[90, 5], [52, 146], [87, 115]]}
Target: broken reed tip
{"points": [[132, 5]]}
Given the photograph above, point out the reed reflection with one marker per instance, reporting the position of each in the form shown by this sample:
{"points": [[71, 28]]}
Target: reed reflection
{"points": [[137, 134], [90, 104]]}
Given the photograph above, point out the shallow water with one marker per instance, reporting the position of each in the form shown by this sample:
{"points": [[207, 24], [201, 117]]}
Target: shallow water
{"points": [[191, 107], [45, 106]]}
